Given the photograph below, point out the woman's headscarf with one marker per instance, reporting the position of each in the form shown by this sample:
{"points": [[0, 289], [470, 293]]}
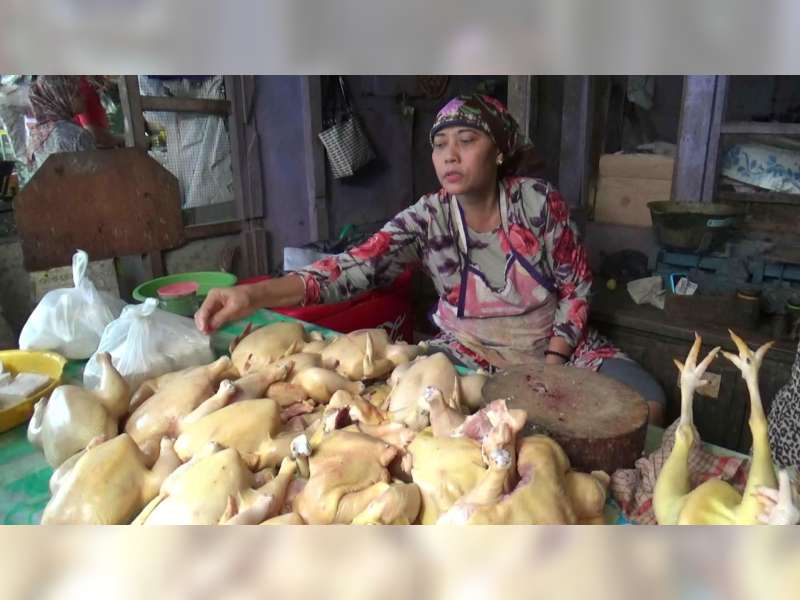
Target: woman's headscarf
{"points": [[489, 115], [50, 98]]}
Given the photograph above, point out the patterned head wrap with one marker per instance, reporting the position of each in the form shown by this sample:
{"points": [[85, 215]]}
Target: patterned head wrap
{"points": [[489, 115], [50, 98]]}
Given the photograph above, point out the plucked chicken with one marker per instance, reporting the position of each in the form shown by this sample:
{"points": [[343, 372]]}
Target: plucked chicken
{"points": [[214, 487], [411, 381], [347, 471], [254, 350], [367, 354], [73, 416], [108, 484], [185, 398], [714, 502]]}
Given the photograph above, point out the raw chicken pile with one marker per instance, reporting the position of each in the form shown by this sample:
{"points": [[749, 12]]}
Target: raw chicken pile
{"points": [[296, 429]]}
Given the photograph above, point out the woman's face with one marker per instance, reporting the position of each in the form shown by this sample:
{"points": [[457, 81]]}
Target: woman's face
{"points": [[465, 160]]}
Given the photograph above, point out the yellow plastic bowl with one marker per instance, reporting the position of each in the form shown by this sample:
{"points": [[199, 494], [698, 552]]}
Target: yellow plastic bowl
{"points": [[16, 361]]}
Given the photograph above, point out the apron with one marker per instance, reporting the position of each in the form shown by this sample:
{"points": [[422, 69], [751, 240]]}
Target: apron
{"points": [[508, 326]]}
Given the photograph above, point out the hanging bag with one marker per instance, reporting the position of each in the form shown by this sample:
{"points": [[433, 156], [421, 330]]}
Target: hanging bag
{"points": [[344, 139]]}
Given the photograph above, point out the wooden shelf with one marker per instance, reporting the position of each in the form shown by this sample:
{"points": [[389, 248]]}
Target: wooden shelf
{"points": [[760, 197], [198, 105], [208, 230], [761, 128]]}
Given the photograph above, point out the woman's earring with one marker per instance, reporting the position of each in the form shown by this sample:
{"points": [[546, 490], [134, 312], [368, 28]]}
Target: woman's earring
{"points": [[499, 159]]}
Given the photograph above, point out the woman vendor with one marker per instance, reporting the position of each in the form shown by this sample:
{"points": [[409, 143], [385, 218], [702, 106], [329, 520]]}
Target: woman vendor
{"points": [[505, 258]]}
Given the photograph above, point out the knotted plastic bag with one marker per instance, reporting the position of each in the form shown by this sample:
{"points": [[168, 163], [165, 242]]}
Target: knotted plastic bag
{"points": [[147, 342], [71, 321]]}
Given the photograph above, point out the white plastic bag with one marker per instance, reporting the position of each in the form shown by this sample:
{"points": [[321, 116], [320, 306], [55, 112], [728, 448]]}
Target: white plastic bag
{"points": [[71, 321], [146, 342]]}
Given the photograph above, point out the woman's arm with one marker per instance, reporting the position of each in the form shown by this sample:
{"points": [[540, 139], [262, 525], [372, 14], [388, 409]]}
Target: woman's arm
{"points": [[573, 278], [375, 263], [229, 304]]}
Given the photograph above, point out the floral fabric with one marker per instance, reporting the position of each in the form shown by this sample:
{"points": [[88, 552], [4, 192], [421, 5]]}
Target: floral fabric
{"points": [[768, 167], [539, 230]]}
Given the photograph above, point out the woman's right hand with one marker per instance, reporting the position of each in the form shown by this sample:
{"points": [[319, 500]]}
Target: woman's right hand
{"points": [[230, 304], [223, 305]]}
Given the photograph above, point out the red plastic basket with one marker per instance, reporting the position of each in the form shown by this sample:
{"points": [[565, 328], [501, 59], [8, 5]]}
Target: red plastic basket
{"points": [[389, 308]]}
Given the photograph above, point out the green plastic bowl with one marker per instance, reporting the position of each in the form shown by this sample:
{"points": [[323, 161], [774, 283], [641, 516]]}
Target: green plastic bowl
{"points": [[205, 279]]}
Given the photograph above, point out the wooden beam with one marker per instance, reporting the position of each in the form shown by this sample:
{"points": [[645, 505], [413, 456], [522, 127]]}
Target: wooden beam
{"points": [[131, 102], [702, 113], [157, 265], [136, 137], [209, 230], [522, 101], [319, 223], [756, 128], [714, 135], [575, 141], [196, 105], [547, 133], [760, 197]]}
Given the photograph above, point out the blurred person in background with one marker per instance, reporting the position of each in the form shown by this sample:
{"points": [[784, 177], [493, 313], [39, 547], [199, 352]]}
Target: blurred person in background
{"points": [[505, 257], [55, 101], [94, 117]]}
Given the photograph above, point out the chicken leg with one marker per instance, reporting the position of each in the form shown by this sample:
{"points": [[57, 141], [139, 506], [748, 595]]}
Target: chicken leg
{"points": [[673, 484], [762, 471]]}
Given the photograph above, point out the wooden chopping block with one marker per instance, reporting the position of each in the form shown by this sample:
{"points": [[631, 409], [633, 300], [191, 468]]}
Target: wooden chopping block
{"points": [[600, 423]]}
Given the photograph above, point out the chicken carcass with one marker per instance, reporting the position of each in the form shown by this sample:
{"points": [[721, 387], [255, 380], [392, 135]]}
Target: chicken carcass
{"points": [[254, 350], [445, 469], [397, 504], [248, 426], [66, 422], [367, 354], [359, 409], [714, 501], [547, 493], [411, 383], [217, 487], [184, 398], [309, 378], [346, 473], [290, 518], [108, 484], [320, 384]]}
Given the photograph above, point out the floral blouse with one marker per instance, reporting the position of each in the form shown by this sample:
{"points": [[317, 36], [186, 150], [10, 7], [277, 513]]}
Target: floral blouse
{"points": [[539, 229]]}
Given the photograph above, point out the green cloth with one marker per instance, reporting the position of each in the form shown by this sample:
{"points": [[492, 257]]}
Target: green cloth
{"points": [[24, 477]]}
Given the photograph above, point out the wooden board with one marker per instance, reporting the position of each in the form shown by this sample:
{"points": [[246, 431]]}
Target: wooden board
{"points": [[101, 273], [636, 166], [107, 202], [623, 200], [600, 423]]}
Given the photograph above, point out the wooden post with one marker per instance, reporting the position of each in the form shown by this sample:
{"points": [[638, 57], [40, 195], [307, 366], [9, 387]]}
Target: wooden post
{"points": [[319, 223], [522, 101], [702, 113], [246, 163], [576, 129], [135, 136], [131, 101]]}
